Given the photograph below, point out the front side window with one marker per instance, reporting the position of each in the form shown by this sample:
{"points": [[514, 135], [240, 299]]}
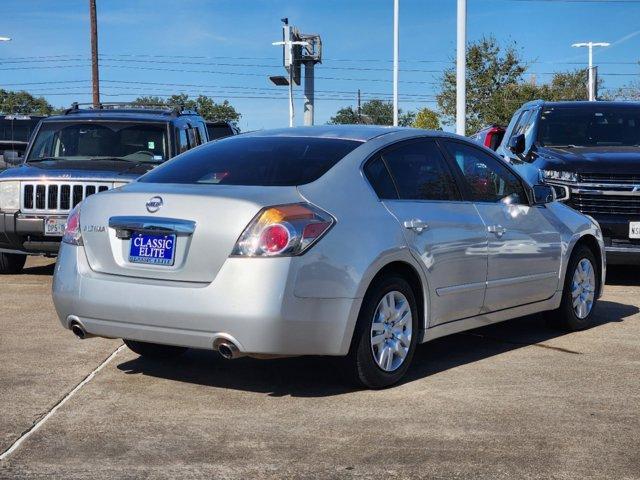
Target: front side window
{"points": [[488, 179], [589, 126], [420, 172], [100, 140], [248, 160]]}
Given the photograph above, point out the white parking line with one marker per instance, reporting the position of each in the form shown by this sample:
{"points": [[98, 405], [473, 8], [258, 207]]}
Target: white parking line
{"points": [[50, 413]]}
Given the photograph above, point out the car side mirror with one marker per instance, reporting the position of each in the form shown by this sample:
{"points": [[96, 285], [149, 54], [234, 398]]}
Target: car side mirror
{"points": [[11, 157], [517, 144], [543, 194]]}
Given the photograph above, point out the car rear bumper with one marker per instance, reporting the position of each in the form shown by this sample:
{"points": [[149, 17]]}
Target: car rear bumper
{"points": [[250, 302], [25, 234]]}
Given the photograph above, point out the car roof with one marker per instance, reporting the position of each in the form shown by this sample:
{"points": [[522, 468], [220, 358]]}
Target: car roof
{"points": [[361, 133], [581, 103]]}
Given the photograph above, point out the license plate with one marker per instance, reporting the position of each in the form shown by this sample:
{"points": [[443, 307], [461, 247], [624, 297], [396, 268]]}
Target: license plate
{"points": [[54, 226], [152, 249], [634, 229]]}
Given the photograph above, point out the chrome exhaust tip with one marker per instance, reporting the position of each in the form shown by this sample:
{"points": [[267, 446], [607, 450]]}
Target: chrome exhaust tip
{"points": [[79, 331], [229, 350]]}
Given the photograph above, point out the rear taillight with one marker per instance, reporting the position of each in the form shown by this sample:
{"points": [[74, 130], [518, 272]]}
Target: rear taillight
{"points": [[72, 234], [283, 230]]}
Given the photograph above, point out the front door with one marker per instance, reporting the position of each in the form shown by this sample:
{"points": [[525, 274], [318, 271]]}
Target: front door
{"points": [[445, 233], [524, 244]]}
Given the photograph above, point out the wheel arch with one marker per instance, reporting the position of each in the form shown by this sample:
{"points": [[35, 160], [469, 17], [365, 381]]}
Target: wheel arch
{"points": [[591, 242]]}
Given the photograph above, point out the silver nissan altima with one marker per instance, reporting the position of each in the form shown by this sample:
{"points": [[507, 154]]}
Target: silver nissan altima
{"points": [[351, 241]]}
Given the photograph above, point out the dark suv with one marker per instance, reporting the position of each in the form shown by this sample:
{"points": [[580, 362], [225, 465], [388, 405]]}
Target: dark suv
{"points": [[15, 131], [80, 153], [591, 152]]}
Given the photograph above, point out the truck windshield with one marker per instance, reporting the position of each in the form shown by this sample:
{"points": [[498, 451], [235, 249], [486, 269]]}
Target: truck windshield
{"points": [[589, 126], [135, 142]]}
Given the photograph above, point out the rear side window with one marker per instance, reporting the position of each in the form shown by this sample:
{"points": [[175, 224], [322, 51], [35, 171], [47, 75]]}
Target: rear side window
{"points": [[420, 172], [245, 160], [378, 175]]}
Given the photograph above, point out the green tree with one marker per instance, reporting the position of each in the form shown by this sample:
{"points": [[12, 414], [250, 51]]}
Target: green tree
{"points": [[23, 102], [374, 112], [206, 106], [631, 91], [490, 69], [427, 119]]}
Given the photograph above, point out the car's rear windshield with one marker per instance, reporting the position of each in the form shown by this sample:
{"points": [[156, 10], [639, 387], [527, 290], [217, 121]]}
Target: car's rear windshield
{"points": [[589, 126], [248, 160]]}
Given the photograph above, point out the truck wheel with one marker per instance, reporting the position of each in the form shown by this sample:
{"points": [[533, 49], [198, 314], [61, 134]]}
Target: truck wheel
{"points": [[386, 334], [579, 296], [12, 263], [154, 350]]}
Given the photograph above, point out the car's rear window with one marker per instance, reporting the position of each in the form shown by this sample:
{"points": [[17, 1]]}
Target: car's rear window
{"points": [[247, 160]]}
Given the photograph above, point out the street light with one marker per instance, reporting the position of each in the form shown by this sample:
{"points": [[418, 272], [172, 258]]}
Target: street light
{"points": [[590, 45]]}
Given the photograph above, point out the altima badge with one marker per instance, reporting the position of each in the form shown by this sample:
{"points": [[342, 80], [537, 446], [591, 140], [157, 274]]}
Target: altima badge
{"points": [[154, 204]]}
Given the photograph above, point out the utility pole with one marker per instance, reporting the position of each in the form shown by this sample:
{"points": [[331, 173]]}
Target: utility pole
{"points": [[359, 108], [592, 87], [95, 75], [396, 54], [309, 92], [461, 85]]}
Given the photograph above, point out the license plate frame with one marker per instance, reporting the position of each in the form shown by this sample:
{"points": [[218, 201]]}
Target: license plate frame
{"points": [[634, 230], [152, 249], [54, 226]]}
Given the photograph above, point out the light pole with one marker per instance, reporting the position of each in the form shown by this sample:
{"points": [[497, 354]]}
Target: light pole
{"points": [[461, 66], [396, 54], [590, 45]]}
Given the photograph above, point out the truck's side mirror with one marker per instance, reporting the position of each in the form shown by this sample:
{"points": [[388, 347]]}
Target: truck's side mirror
{"points": [[11, 157], [517, 144], [543, 194]]}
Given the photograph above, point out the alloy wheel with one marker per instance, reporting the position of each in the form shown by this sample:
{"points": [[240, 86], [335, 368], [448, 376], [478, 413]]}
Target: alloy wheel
{"points": [[391, 331], [583, 288]]}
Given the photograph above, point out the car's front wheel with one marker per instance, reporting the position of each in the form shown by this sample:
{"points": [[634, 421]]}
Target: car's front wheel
{"points": [[154, 350], [579, 296], [12, 263], [386, 334]]}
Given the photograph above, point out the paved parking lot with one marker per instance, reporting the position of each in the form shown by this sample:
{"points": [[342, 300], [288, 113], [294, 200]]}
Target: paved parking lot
{"points": [[514, 400]]}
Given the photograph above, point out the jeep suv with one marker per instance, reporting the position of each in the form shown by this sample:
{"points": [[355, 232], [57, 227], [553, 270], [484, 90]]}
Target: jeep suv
{"points": [[83, 152], [591, 152]]}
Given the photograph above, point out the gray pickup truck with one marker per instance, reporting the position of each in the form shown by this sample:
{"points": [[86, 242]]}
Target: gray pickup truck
{"points": [[83, 152]]}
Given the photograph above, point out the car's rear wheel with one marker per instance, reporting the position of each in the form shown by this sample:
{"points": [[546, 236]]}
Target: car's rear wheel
{"points": [[12, 263], [386, 334], [579, 296], [154, 350]]}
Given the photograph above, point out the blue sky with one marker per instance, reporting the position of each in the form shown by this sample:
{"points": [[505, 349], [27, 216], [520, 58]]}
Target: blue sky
{"points": [[223, 48]]}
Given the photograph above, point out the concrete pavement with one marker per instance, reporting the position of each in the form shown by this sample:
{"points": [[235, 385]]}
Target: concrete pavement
{"points": [[513, 400]]}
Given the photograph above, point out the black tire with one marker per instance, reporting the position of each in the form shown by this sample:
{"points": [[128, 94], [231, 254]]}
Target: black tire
{"points": [[154, 350], [361, 364], [565, 317], [11, 263]]}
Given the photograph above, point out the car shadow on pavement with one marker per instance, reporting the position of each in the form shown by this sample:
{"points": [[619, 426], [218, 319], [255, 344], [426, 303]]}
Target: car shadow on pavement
{"points": [[322, 376], [39, 269]]}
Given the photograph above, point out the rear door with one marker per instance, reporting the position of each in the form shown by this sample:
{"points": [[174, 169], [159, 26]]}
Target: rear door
{"points": [[444, 233], [524, 242]]}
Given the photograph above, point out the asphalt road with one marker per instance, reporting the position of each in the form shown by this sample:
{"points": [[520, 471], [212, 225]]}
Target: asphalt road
{"points": [[513, 400]]}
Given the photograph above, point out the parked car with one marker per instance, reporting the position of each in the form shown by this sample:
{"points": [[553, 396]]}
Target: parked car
{"points": [[490, 136], [75, 155], [591, 152], [353, 241], [15, 131], [221, 129]]}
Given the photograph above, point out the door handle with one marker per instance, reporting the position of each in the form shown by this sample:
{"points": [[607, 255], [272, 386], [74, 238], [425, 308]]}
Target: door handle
{"points": [[416, 225], [498, 230]]}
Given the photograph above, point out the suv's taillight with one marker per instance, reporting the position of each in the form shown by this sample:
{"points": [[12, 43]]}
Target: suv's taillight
{"points": [[283, 230], [72, 234]]}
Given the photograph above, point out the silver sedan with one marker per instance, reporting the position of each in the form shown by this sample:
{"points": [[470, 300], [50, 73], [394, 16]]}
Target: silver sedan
{"points": [[352, 241]]}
